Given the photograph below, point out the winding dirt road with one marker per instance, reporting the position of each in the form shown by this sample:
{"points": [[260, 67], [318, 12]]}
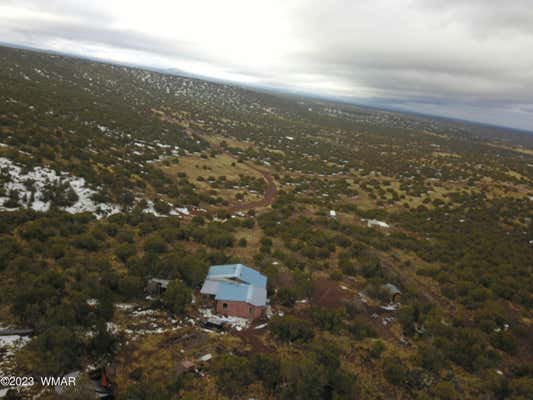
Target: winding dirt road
{"points": [[270, 192], [268, 197]]}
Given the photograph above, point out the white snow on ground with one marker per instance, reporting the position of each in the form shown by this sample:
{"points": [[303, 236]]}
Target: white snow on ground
{"points": [[143, 313], [363, 297], [40, 178], [160, 158], [390, 307], [205, 357], [150, 209], [375, 222], [14, 341], [183, 210], [235, 322], [85, 203], [112, 328], [125, 306], [140, 322]]}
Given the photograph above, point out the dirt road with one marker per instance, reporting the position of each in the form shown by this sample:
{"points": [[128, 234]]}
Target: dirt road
{"points": [[268, 197], [270, 192]]}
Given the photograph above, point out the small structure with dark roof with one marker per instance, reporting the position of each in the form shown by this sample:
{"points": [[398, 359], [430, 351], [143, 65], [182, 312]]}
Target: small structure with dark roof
{"points": [[237, 290], [393, 291], [157, 286]]}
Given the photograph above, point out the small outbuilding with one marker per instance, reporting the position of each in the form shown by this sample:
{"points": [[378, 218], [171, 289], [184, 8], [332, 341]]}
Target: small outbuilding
{"points": [[157, 286], [395, 294]]}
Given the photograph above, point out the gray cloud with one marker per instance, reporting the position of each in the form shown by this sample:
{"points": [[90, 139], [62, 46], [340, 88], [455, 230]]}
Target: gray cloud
{"points": [[464, 54], [117, 38], [450, 57], [485, 17]]}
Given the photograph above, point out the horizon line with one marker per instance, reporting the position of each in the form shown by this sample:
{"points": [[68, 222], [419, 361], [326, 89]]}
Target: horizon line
{"points": [[257, 87]]}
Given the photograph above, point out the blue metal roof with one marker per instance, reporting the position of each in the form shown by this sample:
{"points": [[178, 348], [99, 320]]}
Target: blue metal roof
{"points": [[228, 269], [232, 292], [228, 291], [238, 271], [236, 282]]}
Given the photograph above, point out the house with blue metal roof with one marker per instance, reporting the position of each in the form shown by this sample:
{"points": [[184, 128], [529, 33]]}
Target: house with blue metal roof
{"points": [[237, 290]]}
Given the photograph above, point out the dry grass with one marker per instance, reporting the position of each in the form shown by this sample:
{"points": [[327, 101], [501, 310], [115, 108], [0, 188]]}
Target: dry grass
{"points": [[217, 139], [220, 165], [443, 154], [252, 236], [518, 149]]}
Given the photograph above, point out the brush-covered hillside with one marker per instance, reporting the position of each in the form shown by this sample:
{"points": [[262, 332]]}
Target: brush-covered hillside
{"points": [[398, 248]]}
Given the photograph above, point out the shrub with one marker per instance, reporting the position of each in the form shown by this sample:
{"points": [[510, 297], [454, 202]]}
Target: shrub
{"points": [[232, 374], [177, 297], [155, 244], [292, 329], [286, 296], [125, 251], [394, 370]]}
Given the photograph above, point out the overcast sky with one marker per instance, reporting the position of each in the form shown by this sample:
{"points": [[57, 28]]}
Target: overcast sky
{"points": [[470, 59]]}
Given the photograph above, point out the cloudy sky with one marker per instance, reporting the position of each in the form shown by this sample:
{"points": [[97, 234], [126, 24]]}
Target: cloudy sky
{"points": [[470, 59]]}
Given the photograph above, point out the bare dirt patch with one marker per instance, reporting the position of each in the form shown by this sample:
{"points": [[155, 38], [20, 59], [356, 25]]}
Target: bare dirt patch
{"points": [[328, 293], [254, 338]]}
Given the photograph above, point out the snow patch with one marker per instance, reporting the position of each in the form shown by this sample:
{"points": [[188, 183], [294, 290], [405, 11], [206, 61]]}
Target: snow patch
{"points": [[375, 222], [38, 179], [16, 341], [150, 209], [390, 307], [234, 322], [183, 210], [112, 328], [124, 306], [10, 344]]}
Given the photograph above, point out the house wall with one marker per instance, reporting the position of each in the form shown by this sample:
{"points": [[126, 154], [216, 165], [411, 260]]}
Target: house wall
{"points": [[208, 300], [238, 309]]}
